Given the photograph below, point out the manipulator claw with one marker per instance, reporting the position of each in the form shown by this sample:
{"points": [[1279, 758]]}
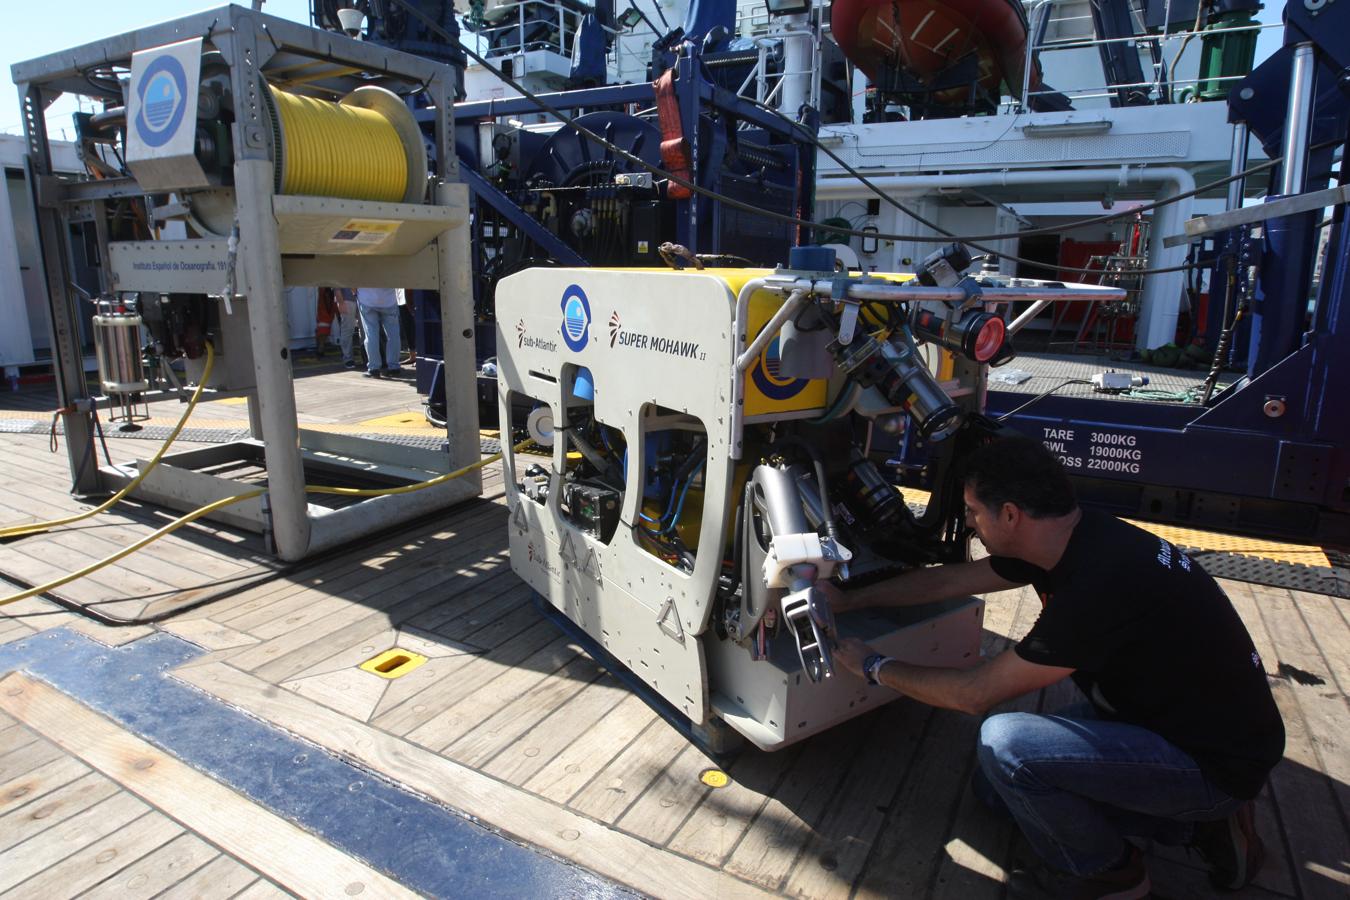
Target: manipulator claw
{"points": [[810, 621]]}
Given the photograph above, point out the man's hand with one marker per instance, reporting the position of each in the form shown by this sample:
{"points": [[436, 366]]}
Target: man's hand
{"points": [[850, 653], [839, 601]]}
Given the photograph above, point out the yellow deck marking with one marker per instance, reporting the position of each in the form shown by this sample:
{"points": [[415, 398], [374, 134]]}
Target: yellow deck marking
{"points": [[1208, 541], [406, 419], [1276, 551]]}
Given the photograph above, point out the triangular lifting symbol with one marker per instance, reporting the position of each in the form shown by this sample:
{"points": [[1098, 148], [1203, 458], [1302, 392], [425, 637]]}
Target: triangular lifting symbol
{"points": [[669, 620], [518, 517], [567, 551], [591, 566]]}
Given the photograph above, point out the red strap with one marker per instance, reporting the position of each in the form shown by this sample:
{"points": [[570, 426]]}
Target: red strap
{"points": [[674, 147]]}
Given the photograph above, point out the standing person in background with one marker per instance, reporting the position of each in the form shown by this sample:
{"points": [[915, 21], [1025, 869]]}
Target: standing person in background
{"points": [[323, 319], [379, 309], [345, 300], [408, 322]]}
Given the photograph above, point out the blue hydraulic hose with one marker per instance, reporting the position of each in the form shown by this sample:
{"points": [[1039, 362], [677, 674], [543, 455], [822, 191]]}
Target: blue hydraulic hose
{"points": [[680, 507]]}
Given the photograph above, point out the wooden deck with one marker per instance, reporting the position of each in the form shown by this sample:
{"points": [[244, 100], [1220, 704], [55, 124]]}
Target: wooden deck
{"points": [[510, 722]]}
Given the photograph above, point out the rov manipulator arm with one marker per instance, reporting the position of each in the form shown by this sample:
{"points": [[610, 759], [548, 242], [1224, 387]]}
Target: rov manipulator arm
{"points": [[864, 334]]}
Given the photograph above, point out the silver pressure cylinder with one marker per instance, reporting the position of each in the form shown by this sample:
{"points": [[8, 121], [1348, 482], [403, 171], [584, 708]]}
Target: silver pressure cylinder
{"points": [[117, 346]]}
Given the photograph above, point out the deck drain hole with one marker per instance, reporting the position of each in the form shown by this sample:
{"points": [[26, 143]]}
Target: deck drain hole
{"points": [[393, 663]]}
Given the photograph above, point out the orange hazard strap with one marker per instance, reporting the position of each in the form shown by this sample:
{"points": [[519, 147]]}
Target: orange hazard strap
{"points": [[674, 147]]}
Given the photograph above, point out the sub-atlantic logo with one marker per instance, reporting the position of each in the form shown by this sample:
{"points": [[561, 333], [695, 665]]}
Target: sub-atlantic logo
{"points": [[615, 326], [525, 339], [163, 98], [576, 324]]}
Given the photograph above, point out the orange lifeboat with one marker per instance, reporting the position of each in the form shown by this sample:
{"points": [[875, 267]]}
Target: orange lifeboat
{"points": [[922, 44]]}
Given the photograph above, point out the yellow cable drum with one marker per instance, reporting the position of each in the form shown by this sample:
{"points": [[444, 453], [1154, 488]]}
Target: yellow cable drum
{"points": [[365, 147]]}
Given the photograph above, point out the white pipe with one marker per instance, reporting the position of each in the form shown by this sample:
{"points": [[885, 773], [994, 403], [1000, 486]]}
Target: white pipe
{"points": [[797, 64], [789, 309], [1160, 302], [738, 334], [846, 188], [1027, 315], [1033, 31]]}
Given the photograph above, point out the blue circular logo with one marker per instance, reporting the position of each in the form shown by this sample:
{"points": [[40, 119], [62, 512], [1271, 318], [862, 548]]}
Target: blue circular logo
{"points": [[765, 375], [163, 94], [576, 324]]}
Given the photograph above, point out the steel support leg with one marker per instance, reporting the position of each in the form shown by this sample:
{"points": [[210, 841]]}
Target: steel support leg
{"points": [[456, 290], [269, 328]]}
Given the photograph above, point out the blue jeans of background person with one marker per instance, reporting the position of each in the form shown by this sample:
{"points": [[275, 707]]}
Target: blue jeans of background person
{"points": [[371, 320], [1077, 785]]}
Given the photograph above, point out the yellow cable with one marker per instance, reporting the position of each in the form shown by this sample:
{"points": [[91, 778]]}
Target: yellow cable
{"points": [[39, 527], [248, 495], [409, 488], [131, 548], [332, 150]]}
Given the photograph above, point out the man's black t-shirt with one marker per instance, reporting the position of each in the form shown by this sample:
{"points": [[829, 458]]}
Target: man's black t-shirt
{"points": [[1155, 642]]}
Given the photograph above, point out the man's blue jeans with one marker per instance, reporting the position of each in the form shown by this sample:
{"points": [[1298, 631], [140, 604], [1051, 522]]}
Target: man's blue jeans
{"points": [[371, 320], [1077, 785]]}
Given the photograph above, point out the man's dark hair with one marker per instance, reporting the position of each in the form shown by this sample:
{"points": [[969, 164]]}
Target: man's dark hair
{"points": [[1021, 471]]}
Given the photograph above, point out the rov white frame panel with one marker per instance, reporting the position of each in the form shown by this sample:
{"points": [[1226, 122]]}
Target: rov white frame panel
{"points": [[620, 594]]}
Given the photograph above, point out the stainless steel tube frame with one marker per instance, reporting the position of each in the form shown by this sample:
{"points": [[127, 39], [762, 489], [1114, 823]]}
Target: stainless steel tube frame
{"points": [[1294, 168], [269, 328], [909, 293], [802, 288], [1236, 187]]}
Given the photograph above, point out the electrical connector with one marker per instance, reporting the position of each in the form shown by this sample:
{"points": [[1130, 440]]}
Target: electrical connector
{"points": [[1116, 382]]}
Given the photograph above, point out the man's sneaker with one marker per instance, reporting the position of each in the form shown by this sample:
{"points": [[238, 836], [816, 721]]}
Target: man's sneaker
{"points": [[1126, 882], [349, 364], [1231, 848], [373, 373]]}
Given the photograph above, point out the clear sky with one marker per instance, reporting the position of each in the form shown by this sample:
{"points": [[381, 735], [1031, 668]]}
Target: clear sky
{"points": [[34, 28]]}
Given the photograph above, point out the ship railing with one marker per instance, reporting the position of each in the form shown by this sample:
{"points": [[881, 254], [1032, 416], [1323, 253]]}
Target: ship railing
{"points": [[1109, 90], [567, 21], [1038, 15], [770, 86]]}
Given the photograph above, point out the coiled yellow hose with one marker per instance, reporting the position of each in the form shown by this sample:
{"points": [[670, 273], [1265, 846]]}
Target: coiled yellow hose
{"points": [[336, 150]]}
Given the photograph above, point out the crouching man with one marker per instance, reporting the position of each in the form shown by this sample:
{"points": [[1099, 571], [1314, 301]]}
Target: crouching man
{"points": [[1181, 729]]}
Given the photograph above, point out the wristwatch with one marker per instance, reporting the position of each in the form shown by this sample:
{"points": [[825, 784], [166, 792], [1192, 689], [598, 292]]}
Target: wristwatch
{"points": [[872, 666]]}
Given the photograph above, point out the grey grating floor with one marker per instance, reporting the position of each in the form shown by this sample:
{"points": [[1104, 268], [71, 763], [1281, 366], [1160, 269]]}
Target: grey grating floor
{"points": [[1050, 369]]}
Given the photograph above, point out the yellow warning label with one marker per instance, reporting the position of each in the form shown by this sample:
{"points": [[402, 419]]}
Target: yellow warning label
{"points": [[364, 231]]}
